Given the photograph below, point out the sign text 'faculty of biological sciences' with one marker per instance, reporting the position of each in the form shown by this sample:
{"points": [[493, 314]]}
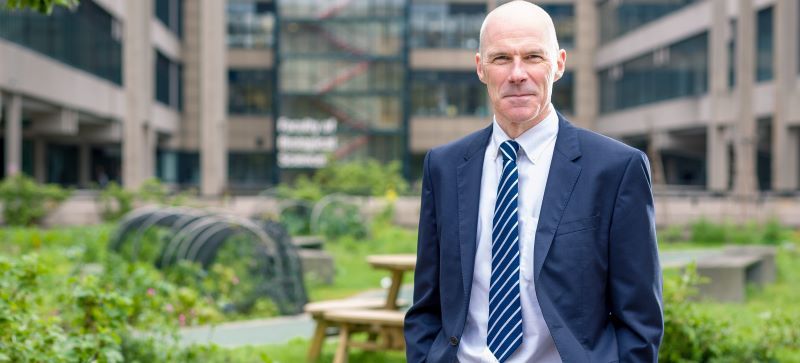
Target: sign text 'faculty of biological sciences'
{"points": [[305, 142]]}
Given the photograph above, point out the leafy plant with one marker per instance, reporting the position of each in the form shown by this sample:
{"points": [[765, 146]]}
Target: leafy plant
{"points": [[25, 202], [152, 190], [42, 6], [115, 202], [341, 219], [697, 332], [362, 177]]}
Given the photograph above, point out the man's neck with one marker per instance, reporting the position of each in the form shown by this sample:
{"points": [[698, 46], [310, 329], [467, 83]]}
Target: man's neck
{"points": [[514, 130]]}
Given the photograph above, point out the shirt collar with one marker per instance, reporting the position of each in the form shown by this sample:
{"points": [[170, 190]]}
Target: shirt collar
{"points": [[532, 142]]}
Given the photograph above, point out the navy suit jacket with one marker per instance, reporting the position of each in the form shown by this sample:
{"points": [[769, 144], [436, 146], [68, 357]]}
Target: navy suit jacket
{"points": [[596, 268]]}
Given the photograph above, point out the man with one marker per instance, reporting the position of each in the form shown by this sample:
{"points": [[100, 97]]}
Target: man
{"points": [[537, 239]]}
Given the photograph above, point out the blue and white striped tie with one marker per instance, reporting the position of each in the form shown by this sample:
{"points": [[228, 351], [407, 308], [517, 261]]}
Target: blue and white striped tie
{"points": [[505, 312]]}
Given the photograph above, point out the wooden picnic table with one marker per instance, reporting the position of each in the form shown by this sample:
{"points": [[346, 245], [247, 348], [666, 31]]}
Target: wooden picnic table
{"points": [[398, 265], [379, 317]]}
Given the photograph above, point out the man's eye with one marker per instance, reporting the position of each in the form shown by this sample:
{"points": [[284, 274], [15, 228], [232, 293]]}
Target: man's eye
{"points": [[534, 57], [501, 58]]}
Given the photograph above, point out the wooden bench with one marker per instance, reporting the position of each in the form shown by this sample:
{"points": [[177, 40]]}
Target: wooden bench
{"points": [[386, 325], [320, 310]]}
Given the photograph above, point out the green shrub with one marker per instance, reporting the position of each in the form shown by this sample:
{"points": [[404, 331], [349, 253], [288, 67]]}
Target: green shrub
{"points": [[671, 234], [152, 190], [25, 202], [774, 233], [115, 202], [704, 231], [340, 218], [699, 332], [362, 177], [296, 219]]}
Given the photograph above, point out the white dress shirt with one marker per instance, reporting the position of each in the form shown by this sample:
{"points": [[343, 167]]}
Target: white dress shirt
{"points": [[533, 163]]}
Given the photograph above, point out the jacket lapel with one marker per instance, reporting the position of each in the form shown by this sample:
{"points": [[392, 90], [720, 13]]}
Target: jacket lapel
{"points": [[469, 191], [564, 172]]}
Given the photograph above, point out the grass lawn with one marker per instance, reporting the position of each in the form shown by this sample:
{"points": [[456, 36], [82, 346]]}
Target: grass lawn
{"points": [[353, 273]]}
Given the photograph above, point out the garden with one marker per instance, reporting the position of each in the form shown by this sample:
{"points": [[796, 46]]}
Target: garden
{"points": [[65, 296]]}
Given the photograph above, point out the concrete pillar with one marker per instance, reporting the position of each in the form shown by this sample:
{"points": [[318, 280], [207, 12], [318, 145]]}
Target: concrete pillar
{"points": [[586, 101], [138, 60], [658, 141], [84, 165], [745, 183], [40, 160], [784, 140], [716, 144], [718, 160], [205, 54], [13, 134]]}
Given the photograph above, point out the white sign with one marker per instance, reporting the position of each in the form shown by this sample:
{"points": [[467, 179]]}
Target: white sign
{"points": [[305, 142]]}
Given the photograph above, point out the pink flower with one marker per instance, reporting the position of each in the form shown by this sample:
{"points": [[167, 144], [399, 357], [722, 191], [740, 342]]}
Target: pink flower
{"points": [[182, 319], [235, 280], [169, 308], [151, 291]]}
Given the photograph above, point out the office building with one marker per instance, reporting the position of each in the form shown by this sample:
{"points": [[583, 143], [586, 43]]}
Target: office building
{"points": [[237, 95]]}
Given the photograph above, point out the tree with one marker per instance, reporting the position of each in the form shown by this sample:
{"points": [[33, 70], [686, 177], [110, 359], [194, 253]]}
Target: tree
{"points": [[42, 6]]}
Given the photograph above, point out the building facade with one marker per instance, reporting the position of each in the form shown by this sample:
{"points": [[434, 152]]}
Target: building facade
{"points": [[237, 95]]}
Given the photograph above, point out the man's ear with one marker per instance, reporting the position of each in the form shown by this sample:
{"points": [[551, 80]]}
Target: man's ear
{"points": [[561, 64], [478, 67]]}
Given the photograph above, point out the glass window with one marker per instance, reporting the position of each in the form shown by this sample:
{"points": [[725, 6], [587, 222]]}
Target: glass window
{"points": [[250, 169], [178, 167], [168, 82], [106, 164], [764, 47], [680, 70], [448, 94], [353, 39], [732, 56], [342, 60], [170, 13], [331, 10], [62, 164], [764, 44], [564, 94], [250, 91], [564, 20], [442, 25], [250, 23], [621, 16], [86, 37]]}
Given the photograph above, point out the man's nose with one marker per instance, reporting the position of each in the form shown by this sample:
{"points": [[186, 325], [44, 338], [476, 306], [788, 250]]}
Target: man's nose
{"points": [[518, 72]]}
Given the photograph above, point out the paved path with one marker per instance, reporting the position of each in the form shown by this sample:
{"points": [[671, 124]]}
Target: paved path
{"points": [[265, 331]]}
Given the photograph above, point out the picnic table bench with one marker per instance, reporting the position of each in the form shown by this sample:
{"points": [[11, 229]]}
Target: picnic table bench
{"points": [[379, 317], [385, 324]]}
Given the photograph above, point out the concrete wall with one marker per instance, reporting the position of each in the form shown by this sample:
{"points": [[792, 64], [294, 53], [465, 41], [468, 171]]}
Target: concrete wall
{"points": [[31, 74], [427, 132], [83, 209]]}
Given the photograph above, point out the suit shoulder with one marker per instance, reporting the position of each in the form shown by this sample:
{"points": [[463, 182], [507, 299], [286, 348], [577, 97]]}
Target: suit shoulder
{"points": [[600, 145]]}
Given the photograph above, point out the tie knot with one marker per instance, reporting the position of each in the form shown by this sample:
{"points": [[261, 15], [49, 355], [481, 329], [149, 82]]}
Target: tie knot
{"points": [[509, 150]]}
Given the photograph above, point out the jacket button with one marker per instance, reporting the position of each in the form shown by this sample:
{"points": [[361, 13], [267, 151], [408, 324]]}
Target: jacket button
{"points": [[453, 341]]}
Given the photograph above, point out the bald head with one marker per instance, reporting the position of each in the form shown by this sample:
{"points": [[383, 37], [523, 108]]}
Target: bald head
{"points": [[523, 13]]}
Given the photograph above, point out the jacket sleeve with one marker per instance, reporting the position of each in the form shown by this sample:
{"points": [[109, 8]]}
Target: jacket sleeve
{"points": [[634, 271], [423, 320]]}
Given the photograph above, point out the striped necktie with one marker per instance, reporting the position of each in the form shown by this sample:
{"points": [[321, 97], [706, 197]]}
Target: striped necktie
{"points": [[505, 312]]}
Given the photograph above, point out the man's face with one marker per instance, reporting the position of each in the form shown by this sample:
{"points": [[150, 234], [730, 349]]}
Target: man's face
{"points": [[519, 63]]}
